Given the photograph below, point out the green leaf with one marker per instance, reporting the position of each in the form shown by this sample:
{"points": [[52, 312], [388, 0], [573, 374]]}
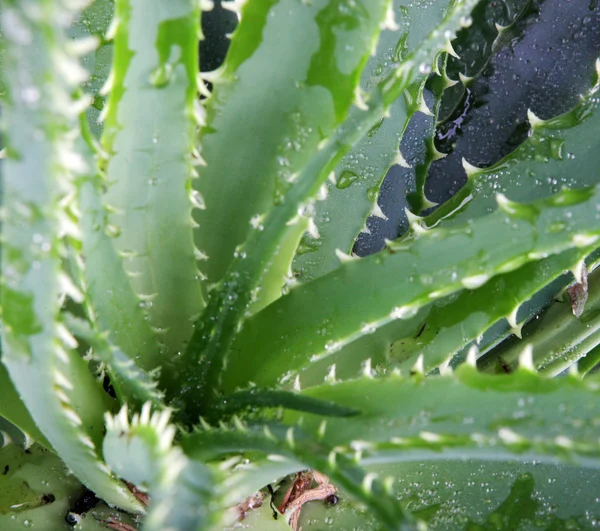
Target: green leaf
{"points": [[116, 307], [589, 362], [561, 151], [453, 324], [231, 299], [471, 442], [359, 175], [294, 444], [13, 410], [150, 169], [94, 21], [254, 151], [476, 495], [465, 415], [266, 398], [558, 338], [438, 85], [493, 26], [37, 491], [181, 489], [320, 317], [132, 385], [53, 381]]}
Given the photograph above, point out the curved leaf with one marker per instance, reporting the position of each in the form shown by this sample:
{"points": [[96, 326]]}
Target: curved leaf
{"points": [[266, 398], [561, 151], [13, 410], [558, 338], [454, 324], [318, 318], [353, 195], [150, 169], [181, 489], [115, 307], [229, 302], [465, 415], [53, 381], [294, 444], [253, 152]]}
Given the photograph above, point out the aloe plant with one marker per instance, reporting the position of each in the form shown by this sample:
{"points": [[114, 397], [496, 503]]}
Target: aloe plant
{"points": [[188, 340]]}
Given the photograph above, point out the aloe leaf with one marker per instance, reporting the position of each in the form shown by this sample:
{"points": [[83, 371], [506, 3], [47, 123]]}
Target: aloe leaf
{"points": [[293, 444], [94, 22], [560, 151], [37, 491], [266, 398], [475, 494], [494, 25], [359, 175], [477, 199], [115, 307], [452, 325], [229, 302], [132, 385], [434, 265], [558, 339], [141, 452], [276, 136], [13, 410], [150, 169], [261, 518], [53, 381], [438, 85], [468, 415], [589, 363], [371, 351]]}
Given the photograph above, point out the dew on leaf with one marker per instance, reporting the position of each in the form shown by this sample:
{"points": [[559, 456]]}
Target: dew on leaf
{"points": [[346, 178]]}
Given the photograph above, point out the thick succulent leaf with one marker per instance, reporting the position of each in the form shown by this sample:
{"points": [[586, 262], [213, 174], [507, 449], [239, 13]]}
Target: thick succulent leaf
{"points": [[353, 195], [561, 151], [53, 381], [438, 84], [268, 398], [37, 491], [558, 338], [493, 25], [295, 330], [13, 410], [473, 443], [453, 324], [94, 21], [465, 415], [132, 385], [229, 303], [278, 443], [116, 307], [531, 159], [248, 476], [477, 495], [351, 360], [141, 452], [150, 169], [253, 151], [261, 518]]}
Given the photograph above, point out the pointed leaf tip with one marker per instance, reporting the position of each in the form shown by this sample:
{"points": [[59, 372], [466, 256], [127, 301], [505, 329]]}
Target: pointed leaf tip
{"points": [[534, 121], [470, 170]]}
